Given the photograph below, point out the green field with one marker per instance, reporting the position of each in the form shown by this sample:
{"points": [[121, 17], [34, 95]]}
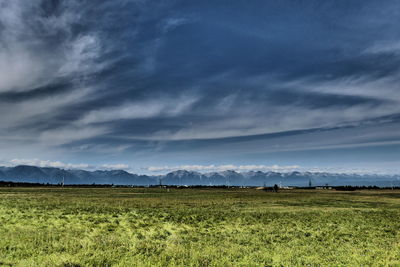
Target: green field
{"points": [[198, 227]]}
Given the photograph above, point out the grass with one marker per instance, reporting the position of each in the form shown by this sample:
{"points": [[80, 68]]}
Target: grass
{"points": [[198, 227]]}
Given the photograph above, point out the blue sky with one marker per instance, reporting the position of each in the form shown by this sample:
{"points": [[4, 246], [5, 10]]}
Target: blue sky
{"points": [[157, 85]]}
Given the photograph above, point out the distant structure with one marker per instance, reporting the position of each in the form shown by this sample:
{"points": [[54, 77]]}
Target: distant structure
{"points": [[323, 187], [276, 187]]}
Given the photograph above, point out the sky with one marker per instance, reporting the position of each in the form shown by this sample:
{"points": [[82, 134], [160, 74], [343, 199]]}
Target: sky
{"points": [[154, 86]]}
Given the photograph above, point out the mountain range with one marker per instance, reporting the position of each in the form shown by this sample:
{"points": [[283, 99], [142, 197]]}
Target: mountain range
{"points": [[33, 174]]}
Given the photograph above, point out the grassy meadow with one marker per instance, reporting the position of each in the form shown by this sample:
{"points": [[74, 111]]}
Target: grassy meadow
{"points": [[198, 227]]}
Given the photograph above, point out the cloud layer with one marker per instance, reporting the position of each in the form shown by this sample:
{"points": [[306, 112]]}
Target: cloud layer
{"points": [[62, 165]]}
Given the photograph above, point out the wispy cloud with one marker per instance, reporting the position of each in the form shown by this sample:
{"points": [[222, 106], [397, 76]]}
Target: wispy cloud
{"points": [[69, 134], [42, 49], [384, 47], [140, 110]]}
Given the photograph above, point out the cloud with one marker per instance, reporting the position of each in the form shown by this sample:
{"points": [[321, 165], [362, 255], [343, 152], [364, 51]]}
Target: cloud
{"points": [[81, 55], [46, 163], [69, 134], [173, 22], [140, 110], [62, 165], [384, 47], [45, 65], [115, 166], [239, 121], [42, 48], [18, 114]]}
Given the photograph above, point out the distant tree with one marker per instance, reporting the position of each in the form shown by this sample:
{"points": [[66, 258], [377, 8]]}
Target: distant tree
{"points": [[276, 188]]}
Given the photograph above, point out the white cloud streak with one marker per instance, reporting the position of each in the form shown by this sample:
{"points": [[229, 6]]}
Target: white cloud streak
{"points": [[384, 47], [140, 110], [69, 134], [46, 163]]}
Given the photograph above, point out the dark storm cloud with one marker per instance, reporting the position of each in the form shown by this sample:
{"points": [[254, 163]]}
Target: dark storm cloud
{"points": [[128, 76]]}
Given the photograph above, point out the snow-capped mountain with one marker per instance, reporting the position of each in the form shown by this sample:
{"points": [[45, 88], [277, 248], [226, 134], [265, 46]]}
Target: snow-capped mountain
{"points": [[24, 173]]}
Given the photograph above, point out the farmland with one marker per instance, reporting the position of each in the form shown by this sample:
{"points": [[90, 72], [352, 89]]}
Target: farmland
{"points": [[198, 227]]}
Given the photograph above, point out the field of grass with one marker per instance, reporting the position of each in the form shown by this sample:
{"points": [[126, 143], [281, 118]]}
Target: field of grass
{"points": [[198, 227]]}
